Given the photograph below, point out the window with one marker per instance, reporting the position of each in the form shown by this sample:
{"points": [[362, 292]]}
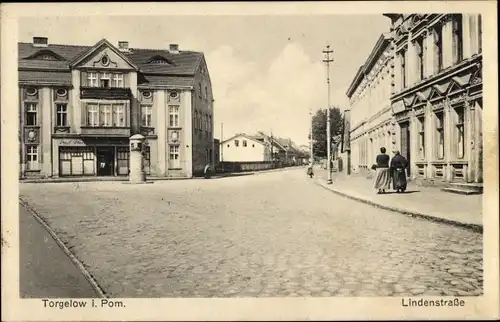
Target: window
{"points": [[61, 115], [105, 115], [206, 93], [403, 69], [174, 157], [421, 137], [210, 123], [245, 143], [236, 143], [421, 58], [199, 90], [146, 113], [92, 115], [92, 79], [32, 161], [122, 158], [31, 114], [105, 80], [460, 132], [438, 48], [457, 38], [118, 115], [118, 80], [173, 115], [440, 135]]}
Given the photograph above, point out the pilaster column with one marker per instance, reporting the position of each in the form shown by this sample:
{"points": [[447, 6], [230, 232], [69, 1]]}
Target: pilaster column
{"points": [[447, 41], [448, 137], [467, 42], [75, 104], [412, 63], [430, 146], [429, 53], [161, 106], [397, 73], [46, 130], [470, 151], [413, 144]]}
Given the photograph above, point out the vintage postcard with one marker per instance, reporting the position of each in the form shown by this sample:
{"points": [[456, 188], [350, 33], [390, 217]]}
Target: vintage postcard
{"points": [[249, 161]]}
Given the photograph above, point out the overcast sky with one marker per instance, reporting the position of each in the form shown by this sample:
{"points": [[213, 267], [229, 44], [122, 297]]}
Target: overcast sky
{"points": [[266, 70]]}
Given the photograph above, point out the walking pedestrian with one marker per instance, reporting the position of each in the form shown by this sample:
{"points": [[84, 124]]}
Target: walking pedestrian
{"points": [[310, 171], [382, 177], [207, 171], [398, 172]]}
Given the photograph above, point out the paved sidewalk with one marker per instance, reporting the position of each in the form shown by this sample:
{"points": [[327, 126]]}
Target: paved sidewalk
{"points": [[428, 202]]}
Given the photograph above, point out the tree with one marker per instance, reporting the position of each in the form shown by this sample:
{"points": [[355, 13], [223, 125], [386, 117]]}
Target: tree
{"points": [[319, 129]]}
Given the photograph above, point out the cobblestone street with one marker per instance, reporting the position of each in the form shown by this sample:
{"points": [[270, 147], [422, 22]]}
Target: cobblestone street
{"points": [[274, 234]]}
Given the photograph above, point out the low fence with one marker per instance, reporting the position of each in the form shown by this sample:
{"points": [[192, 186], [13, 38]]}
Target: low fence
{"points": [[231, 167]]}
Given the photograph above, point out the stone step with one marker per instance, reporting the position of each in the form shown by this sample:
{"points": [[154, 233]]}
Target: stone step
{"points": [[475, 187], [462, 191]]}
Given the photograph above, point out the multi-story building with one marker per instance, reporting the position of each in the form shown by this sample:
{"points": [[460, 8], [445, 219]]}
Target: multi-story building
{"points": [[437, 95], [80, 104], [369, 114]]}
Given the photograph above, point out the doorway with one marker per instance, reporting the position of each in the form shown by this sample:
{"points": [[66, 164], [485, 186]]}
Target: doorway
{"points": [[105, 161], [406, 143]]}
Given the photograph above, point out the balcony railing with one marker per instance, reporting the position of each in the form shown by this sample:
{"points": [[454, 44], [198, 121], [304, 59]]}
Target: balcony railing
{"points": [[109, 93], [105, 131]]}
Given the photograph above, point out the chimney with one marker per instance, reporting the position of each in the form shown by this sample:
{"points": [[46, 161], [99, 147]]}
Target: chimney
{"points": [[123, 46], [40, 41], [174, 48]]}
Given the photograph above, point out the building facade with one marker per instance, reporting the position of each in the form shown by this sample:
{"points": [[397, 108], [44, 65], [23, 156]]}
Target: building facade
{"points": [[369, 114], [245, 148], [80, 104], [437, 95]]}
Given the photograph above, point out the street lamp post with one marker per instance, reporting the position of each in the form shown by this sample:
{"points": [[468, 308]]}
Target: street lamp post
{"points": [[311, 139], [327, 61]]}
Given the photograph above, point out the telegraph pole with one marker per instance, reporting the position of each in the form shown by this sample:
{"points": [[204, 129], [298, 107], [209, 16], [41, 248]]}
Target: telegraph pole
{"points": [[311, 138], [327, 61], [222, 146], [272, 150]]}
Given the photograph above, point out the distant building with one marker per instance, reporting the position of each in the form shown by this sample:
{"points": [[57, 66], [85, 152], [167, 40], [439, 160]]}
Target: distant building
{"points": [[245, 148], [217, 159], [369, 115], [438, 95], [80, 104]]}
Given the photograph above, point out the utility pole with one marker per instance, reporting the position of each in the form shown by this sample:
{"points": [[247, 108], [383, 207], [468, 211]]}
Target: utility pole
{"points": [[222, 146], [327, 61], [311, 138]]}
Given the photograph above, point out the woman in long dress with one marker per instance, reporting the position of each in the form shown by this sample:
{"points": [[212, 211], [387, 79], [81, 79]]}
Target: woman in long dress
{"points": [[382, 178], [398, 172]]}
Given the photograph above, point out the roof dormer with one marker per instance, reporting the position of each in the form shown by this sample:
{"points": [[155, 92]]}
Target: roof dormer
{"points": [[45, 54], [158, 59]]}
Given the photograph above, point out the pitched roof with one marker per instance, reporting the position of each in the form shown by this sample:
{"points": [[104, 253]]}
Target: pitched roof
{"points": [[182, 64], [250, 137], [45, 78]]}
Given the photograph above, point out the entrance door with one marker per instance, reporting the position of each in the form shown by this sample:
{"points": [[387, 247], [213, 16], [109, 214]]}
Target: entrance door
{"points": [[405, 143], [105, 161]]}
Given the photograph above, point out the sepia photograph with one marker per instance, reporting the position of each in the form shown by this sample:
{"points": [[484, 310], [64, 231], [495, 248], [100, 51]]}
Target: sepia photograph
{"points": [[250, 155]]}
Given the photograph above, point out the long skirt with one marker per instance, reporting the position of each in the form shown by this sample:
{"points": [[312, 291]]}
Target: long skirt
{"points": [[382, 178], [399, 179]]}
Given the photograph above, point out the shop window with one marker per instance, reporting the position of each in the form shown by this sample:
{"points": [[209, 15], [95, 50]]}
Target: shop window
{"points": [[31, 114], [122, 157], [460, 132], [440, 135], [32, 158], [76, 161], [174, 161], [61, 115]]}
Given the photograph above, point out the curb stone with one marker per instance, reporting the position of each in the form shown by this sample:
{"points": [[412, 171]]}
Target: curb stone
{"points": [[88, 276], [473, 227]]}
